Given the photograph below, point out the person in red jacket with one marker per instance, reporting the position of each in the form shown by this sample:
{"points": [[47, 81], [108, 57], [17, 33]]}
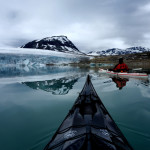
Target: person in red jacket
{"points": [[121, 67]]}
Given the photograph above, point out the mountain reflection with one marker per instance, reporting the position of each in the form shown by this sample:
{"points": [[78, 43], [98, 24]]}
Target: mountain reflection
{"points": [[59, 86]]}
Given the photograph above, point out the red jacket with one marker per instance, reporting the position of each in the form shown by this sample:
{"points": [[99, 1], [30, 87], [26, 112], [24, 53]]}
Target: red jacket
{"points": [[121, 67]]}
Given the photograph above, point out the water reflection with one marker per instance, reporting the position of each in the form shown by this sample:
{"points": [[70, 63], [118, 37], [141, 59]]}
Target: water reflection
{"points": [[145, 82], [35, 106], [120, 82], [18, 71], [59, 86]]}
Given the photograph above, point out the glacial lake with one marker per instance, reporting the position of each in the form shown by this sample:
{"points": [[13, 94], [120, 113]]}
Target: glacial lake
{"points": [[34, 102]]}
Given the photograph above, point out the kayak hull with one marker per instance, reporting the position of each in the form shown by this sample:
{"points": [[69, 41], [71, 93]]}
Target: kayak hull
{"points": [[124, 74], [88, 126]]}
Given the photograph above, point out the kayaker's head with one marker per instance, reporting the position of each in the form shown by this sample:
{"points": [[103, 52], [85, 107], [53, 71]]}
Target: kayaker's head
{"points": [[120, 60]]}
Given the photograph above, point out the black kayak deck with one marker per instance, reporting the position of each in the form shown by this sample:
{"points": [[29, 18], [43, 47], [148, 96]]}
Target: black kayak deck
{"points": [[88, 126]]}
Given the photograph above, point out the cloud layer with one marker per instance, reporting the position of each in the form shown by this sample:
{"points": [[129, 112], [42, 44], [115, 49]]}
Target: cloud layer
{"points": [[90, 25]]}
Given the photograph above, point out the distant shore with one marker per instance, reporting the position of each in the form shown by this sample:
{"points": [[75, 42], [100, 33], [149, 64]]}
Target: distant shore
{"points": [[132, 60]]}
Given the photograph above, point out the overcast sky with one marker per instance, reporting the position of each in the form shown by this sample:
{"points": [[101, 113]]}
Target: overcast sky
{"points": [[89, 24]]}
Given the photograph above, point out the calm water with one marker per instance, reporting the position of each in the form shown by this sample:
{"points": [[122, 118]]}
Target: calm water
{"points": [[33, 103]]}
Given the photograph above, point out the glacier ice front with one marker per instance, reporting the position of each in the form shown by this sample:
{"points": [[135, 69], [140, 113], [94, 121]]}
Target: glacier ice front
{"points": [[35, 57]]}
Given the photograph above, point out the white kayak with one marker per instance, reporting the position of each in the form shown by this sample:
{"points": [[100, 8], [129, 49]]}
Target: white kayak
{"points": [[124, 74]]}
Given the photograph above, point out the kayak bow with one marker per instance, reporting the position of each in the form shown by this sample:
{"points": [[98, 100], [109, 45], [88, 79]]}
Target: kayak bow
{"points": [[88, 126]]}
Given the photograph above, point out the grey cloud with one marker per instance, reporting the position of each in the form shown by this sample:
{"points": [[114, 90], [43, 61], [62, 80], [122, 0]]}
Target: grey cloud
{"points": [[91, 25]]}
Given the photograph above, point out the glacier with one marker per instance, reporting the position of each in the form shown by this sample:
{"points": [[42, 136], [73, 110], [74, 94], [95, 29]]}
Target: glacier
{"points": [[18, 63], [35, 57]]}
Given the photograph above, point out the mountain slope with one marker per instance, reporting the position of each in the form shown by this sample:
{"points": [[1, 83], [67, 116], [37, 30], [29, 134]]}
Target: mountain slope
{"points": [[54, 43], [116, 51]]}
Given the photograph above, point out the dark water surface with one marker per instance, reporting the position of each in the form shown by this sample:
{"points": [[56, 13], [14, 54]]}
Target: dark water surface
{"points": [[34, 103]]}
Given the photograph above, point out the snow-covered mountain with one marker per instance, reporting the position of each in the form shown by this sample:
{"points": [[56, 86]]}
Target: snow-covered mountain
{"points": [[116, 51], [54, 43]]}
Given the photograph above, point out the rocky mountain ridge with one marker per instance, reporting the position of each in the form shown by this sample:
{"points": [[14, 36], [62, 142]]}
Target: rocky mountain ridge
{"points": [[116, 51], [54, 43]]}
